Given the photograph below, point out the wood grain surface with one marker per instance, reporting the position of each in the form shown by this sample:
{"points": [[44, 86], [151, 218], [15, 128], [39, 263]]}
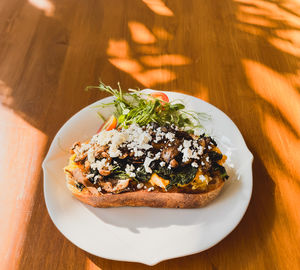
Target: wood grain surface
{"points": [[241, 56]]}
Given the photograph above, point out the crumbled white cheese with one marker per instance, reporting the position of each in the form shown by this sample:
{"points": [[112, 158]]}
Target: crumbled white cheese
{"points": [[170, 136], [118, 138], [102, 138], [84, 147], [148, 161], [195, 143], [138, 153], [157, 156], [187, 154], [144, 138], [91, 155], [187, 143], [99, 189], [195, 164], [160, 135], [129, 170], [90, 175], [195, 155], [147, 164], [202, 177], [140, 185], [114, 151], [200, 150], [100, 164], [137, 140], [150, 188]]}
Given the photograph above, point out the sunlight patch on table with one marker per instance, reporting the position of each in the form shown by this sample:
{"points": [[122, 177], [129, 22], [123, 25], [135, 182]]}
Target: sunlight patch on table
{"points": [[165, 60], [289, 192], [154, 76], [162, 33], [130, 66], [120, 57], [285, 144], [287, 41], [272, 14], [148, 49], [159, 7], [20, 167], [140, 33], [44, 5], [250, 29], [276, 90], [118, 48]]}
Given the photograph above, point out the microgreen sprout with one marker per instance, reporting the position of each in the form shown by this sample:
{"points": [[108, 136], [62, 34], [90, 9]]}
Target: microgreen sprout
{"points": [[136, 107]]}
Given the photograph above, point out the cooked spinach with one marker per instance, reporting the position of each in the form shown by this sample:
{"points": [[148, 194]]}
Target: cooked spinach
{"points": [[182, 176], [141, 175], [225, 175], [118, 172], [219, 169], [179, 176], [164, 172], [215, 156]]}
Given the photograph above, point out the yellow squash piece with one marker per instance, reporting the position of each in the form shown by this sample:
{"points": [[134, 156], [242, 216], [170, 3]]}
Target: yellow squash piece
{"points": [[156, 180], [72, 164], [200, 181]]}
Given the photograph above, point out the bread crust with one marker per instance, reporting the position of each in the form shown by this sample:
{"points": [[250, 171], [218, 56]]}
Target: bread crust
{"points": [[145, 198]]}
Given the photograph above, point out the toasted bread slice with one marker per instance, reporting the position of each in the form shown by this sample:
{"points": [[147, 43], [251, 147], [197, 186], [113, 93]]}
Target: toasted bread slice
{"points": [[143, 197]]}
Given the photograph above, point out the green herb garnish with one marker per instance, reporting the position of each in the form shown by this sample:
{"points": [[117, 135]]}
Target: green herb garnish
{"points": [[141, 109]]}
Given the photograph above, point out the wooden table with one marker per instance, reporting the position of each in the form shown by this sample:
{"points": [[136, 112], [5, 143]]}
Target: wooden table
{"points": [[241, 56]]}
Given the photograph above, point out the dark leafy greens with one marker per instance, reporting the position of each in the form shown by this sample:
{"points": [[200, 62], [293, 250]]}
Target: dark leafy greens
{"points": [[178, 176]]}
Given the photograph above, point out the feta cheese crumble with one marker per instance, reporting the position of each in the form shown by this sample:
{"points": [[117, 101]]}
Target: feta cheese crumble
{"points": [[195, 164], [202, 177], [140, 185], [129, 170]]}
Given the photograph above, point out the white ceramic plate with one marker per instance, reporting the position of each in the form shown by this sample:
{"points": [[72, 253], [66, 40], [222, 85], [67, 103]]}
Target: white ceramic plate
{"points": [[141, 234]]}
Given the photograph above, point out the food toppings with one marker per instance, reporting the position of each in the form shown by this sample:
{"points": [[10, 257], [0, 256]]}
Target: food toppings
{"points": [[139, 108], [133, 158]]}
